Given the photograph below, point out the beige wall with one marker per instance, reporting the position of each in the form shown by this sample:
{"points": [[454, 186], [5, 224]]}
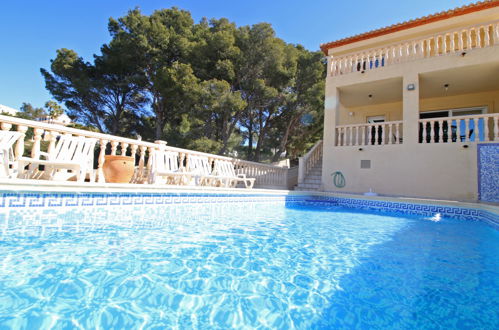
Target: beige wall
{"points": [[442, 171]]}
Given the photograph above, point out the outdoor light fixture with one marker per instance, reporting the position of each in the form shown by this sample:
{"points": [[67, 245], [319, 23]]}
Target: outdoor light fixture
{"points": [[446, 86], [370, 96], [411, 87]]}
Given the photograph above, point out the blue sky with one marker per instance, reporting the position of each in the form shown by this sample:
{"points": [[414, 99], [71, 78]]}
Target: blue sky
{"points": [[32, 31]]}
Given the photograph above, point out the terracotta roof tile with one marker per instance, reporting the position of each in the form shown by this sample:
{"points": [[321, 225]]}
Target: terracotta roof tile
{"points": [[477, 6]]}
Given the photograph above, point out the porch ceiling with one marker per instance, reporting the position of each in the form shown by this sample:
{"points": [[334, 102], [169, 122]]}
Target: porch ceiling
{"points": [[381, 91], [471, 79]]}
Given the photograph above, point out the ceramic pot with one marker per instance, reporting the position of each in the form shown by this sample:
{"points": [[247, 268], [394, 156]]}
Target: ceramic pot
{"points": [[118, 169]]}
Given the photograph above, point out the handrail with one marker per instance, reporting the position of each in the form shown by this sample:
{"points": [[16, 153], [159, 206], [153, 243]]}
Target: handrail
{"points": [[266, 175], [370, 124], [309, 160]]}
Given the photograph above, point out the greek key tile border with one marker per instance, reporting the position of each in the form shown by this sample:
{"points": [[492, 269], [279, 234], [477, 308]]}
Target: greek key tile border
{"points": [[10, 200], [426, 210]]}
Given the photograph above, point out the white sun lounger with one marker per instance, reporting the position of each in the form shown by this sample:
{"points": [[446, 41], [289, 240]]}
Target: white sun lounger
{"points": [[226, 169], [71, 153], [201, 170], [165, 169]]}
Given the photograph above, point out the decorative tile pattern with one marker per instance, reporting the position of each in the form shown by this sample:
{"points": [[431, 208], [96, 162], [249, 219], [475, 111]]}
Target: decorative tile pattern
{"points": [[426, 210], [488, 172], [35, 200]]}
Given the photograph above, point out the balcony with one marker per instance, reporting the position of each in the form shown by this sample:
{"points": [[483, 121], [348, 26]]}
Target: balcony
{"points": [[445, 43], [481, 128]]}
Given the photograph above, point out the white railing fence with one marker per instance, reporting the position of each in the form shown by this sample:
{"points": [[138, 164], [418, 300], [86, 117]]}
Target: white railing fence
{"points": [[389, 132], [449, 42], [309, 160], [466, 129], [44, 137]]}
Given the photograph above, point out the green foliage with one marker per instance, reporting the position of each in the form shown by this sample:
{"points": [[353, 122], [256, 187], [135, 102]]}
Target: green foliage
{"points": [[30, 112], [210, 86]]}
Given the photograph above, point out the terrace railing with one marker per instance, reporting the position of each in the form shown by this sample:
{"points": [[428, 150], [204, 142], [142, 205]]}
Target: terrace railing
{"points": [[449, 42], [389, 132], [267, 176], [460, 129], [307, 162]]}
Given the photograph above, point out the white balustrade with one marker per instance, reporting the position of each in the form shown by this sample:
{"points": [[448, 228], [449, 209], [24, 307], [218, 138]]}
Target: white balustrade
{"points": [[309, 160], [460, 129], [369, 134], [448, 42], [267, 176]]}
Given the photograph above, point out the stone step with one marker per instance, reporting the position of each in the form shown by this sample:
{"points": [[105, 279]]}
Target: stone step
{"points": [[309, 185], [318, 182]]}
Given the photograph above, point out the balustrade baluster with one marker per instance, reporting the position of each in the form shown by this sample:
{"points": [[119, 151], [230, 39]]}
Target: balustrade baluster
{"points": [[495, 129], [485, 129], [478, 37], [496, 34], [20, 143], [390, 134], [142, 158], [363, 135], [51, 136], [466, 129], [133, 150], [453, 42], [351, 137], [124, 147], [444, 43], [397, 133], [469, 40], [421, 48], [425, 131], [382, 131], [101, 160], [486, 31], [5, 126], [458, 130], [432, 131], [440, 131], [114, 146], [37, 137]]}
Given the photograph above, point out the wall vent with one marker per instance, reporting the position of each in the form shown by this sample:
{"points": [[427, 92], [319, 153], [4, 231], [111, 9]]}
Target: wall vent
{"points": [[365, 163]]}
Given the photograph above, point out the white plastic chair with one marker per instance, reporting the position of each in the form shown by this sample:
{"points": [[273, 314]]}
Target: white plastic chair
{"points": [[8, 168], [71, 153]]}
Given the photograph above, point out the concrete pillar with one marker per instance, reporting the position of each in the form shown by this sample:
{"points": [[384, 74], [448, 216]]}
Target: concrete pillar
{"points": [[331, 116], [410, 110]]}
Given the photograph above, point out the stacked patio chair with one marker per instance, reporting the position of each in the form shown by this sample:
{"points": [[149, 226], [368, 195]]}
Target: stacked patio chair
{"points": [[71, 158], [9, 166]]}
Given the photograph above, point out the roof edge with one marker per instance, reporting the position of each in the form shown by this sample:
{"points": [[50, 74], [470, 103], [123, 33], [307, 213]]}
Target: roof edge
{"points": [[459, 11]]}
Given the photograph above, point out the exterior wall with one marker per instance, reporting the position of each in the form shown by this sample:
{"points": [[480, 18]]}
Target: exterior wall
{"points": [[443, 171]]}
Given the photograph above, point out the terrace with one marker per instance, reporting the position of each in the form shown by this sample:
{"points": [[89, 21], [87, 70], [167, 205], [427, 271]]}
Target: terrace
{"points": [[45, 136]]}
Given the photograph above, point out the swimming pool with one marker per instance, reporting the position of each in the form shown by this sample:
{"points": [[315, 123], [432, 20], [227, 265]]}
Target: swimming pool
{"points": [[245, 261]]}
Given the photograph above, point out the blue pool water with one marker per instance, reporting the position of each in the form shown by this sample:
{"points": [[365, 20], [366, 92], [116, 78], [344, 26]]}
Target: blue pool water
{"points": [[251, 265]]}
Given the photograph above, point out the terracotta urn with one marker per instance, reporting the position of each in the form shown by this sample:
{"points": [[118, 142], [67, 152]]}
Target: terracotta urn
{"points": [[118, 169]]}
